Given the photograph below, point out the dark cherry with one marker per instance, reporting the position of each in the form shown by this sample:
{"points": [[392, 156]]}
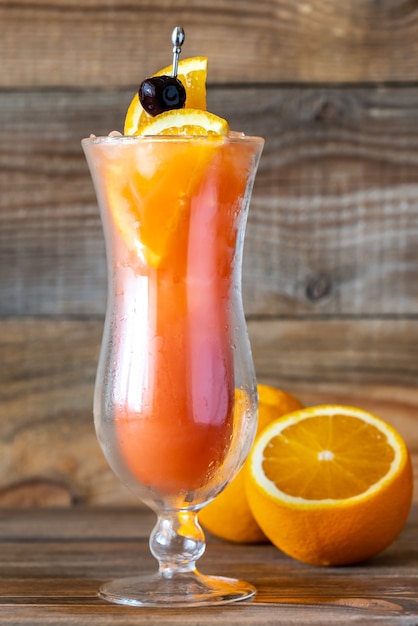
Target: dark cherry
{"points": [[161, 93]]}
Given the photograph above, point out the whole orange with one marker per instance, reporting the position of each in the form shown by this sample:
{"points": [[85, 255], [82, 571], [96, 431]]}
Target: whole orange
{"points": [[229, 516]]}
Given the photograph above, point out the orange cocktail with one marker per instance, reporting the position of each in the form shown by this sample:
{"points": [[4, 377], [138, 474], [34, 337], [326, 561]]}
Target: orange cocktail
{"points": [[172, 209], [175, 403]]}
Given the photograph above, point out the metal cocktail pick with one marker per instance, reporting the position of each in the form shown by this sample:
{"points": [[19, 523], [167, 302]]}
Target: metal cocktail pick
{"points": [[177, 39]]}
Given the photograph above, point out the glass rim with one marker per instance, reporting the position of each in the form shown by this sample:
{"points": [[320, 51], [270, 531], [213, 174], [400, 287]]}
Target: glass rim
{"points": [[129, 139]]}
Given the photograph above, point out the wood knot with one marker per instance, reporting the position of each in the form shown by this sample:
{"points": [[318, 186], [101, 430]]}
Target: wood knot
{"points": [[327, 112], [37, 492], [318, 287]]}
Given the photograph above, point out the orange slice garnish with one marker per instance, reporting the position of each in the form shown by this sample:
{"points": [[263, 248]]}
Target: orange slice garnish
{"points": [[184, 122], [192, 73]]}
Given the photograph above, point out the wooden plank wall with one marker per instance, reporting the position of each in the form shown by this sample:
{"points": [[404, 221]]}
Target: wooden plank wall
{"points": [[331, 257]]}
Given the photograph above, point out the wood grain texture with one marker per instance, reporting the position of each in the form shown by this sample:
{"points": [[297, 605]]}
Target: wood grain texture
{"points": [[61, 43], [47, 371], [333, 226], [53, 578], [47, 377], [331, 261]]}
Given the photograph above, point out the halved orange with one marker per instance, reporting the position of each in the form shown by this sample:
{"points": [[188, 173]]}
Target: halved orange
{"points": [[330, 485], [192, 73]]}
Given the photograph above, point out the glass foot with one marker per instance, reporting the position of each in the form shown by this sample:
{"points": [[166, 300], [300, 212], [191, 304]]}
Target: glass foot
{"points": [[182, 590]]}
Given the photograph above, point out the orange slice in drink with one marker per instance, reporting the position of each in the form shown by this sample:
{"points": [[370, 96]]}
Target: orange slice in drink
{"points": [[330, 485], [152, 190], [192, 73]]}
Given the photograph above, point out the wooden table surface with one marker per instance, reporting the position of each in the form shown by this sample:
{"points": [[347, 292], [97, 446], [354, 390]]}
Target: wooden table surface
{"points": [[53, 561]]}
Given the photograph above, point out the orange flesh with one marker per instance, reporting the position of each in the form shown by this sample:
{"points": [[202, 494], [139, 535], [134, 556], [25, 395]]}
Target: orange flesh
{"points": [[323, 457], [173, 222]]}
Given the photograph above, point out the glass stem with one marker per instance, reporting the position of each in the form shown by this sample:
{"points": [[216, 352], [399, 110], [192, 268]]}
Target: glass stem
{"points": [[177, 541]]}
